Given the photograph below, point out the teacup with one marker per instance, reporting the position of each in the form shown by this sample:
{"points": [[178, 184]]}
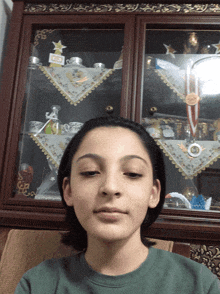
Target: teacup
{"points": [[74, 61], [34, 62], [99, 65], [35, 126], [72, 127]]}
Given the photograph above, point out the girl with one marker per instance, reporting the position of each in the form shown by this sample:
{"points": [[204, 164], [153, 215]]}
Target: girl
{"points": [[112, 182]]}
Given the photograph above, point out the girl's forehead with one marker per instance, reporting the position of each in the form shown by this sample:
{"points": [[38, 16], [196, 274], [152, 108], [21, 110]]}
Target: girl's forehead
{"points": [[114, 134], [112, 140]]}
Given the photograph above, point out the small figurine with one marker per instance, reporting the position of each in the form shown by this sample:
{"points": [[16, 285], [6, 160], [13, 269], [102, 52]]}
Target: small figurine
{"points": [[53, 125]]}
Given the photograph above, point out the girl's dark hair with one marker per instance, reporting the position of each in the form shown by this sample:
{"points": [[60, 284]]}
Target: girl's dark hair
{"points": [[77, 236]]}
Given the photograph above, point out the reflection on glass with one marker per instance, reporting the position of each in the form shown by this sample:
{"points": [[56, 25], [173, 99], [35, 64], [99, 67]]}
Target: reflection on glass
{"points": [[181, 98], [207, 71], [72, 76]]}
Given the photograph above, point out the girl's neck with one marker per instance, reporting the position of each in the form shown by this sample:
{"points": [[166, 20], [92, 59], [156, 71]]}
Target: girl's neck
{"points": [[115, 258]]}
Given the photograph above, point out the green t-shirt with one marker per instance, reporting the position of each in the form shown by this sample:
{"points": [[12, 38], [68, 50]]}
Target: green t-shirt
{"points": [[161, 273]]}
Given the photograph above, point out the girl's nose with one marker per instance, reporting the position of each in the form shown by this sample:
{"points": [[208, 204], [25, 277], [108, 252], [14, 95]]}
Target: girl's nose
{"points": [[110, 186]]}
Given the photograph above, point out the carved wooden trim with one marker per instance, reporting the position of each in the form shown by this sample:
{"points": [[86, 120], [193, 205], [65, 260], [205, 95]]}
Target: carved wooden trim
{"points": [[118, 8]]}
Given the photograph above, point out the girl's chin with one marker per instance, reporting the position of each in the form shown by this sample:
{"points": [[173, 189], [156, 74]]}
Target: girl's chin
{"points": [[105, 235], [112, 232], [111, 236]]}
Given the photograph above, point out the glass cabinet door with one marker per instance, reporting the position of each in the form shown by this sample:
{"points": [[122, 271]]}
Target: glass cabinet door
{"points": [[180, 110], [73, 73]]}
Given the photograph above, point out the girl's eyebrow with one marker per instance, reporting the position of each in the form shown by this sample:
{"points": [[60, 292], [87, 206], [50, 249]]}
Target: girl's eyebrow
{"points": [[128, 157], [90, 155], [99, 158]]}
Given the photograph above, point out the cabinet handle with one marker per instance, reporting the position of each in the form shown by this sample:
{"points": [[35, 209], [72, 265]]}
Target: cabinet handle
{"points": [[109, 109], [152, 110]]}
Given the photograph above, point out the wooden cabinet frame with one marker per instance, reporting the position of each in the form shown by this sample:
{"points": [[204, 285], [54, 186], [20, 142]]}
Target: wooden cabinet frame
{"points": [[178, 225]]}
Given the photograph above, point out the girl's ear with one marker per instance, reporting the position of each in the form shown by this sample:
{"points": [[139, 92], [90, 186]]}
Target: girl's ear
{"points": [[155, 195], [67, 193]]}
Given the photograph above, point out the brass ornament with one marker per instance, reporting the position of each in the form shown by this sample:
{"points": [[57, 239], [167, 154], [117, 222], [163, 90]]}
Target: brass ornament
{"points": [[192, 99], [152, 110], [109, 109], [23, 183], [41, 34]]}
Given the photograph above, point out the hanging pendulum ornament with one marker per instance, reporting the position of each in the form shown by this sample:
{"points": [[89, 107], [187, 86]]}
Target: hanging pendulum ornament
{"points": [[192, 109]]}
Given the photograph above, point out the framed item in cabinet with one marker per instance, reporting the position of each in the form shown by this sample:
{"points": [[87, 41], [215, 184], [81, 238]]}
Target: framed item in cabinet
{"points": [[178, 101], [70, 68]]}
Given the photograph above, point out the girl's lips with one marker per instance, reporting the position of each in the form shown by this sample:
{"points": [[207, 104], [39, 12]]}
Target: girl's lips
{"points": [[113, 216], [109, 214], [109, 210]]}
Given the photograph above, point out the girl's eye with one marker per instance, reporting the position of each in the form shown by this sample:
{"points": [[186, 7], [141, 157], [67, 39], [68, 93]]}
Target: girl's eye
{"points": [[89, 173], [133, 175]]}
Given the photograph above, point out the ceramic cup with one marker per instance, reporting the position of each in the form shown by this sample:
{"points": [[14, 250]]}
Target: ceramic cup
{"points": [[35, 126], [34, 62], [72, 127], [74, 61], [99, 65]]}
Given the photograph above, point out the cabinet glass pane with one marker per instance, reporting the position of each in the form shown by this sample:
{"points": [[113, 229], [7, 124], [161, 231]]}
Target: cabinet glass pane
{"points": [[74, 73], [180, 109]]}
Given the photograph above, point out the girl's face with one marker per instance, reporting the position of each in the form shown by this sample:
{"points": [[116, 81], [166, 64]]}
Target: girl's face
{"points": [[111, 184]]}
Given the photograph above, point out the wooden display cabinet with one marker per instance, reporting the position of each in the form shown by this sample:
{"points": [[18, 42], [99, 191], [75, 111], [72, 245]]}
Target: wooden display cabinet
{"points": [[150, 53]]}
